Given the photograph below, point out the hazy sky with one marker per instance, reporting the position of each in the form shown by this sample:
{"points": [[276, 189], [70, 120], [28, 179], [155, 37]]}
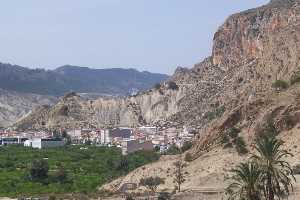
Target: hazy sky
{"points": [[153, 35]]}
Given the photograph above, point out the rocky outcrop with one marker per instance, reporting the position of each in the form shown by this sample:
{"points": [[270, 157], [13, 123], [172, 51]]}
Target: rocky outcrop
{"points": [[74, 111], [250, 34]]}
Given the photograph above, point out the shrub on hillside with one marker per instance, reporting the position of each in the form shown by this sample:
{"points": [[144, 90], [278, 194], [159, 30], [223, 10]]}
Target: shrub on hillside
{"points": [[172, 85], [232, 139], [280, 84], [233, 132], [152, 183], [296, 169], [164, 196], [240, 145], [295, 78], [211, 115], [188, 157], [267, 129], [173, 150], [186, 146]]}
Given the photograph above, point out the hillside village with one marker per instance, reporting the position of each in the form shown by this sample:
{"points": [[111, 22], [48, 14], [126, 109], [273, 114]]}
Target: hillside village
{"points": [[128, 139], [224, 108]]}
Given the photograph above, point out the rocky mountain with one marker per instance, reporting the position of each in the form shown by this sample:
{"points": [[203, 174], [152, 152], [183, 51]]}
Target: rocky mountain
{"points": [[75, 111], [252, 79], [14, 105], [251, 50], [115, 81]]}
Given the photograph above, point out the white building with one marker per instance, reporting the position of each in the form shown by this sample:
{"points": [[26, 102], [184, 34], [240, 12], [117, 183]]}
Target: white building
{"points": [[11, 140], [41, 143], [105, 137], [148, 129]]}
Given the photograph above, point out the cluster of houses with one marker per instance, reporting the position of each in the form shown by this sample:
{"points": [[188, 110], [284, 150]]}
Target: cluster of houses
{"points": [[30, 139], [128, 139]]}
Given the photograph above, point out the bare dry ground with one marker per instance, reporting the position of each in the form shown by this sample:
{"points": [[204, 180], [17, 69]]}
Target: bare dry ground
{"points": [[205, 176]]}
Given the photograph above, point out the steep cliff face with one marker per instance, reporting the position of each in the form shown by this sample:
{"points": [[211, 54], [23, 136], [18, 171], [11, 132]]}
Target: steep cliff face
{"points": [[254, 49], [250, 34]]}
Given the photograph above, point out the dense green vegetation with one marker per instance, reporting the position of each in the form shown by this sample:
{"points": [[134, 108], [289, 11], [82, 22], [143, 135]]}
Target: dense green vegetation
{"points": [[76, 169]]}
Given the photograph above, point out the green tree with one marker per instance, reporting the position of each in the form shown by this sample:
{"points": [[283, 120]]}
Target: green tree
{"points": [[245, 182], [240, 145], [173, 150], [164, 196], [277, 174], [152, 183], [66, 137], [39, 169], [232, 139], [123, 165], [268, 129], [61, 175], [179, 177], [186, 146]]}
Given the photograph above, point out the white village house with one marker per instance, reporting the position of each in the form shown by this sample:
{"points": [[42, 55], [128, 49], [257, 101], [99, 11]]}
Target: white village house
{"points": [[41, 143]]}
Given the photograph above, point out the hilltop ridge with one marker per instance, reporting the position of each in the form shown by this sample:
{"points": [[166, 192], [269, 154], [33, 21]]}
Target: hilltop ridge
{"points": [[114, 81]]}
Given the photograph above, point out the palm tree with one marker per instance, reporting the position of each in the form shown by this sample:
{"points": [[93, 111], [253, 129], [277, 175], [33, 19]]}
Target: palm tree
{"points": [[246, 182], [277, 174]]}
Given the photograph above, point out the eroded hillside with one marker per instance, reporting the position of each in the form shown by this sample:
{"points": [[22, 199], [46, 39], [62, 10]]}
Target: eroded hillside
{"points": [[14, 105], [251, 79], [251, 50]]}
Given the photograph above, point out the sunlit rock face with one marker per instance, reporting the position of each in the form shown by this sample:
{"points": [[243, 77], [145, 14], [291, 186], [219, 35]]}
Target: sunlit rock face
{"points": [[254, 33]]}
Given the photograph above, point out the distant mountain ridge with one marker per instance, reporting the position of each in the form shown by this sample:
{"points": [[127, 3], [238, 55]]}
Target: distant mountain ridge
{"points": [[114, 81]]}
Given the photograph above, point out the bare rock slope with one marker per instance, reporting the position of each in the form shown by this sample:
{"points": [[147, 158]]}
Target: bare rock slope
{"points": [[251, 78]]}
